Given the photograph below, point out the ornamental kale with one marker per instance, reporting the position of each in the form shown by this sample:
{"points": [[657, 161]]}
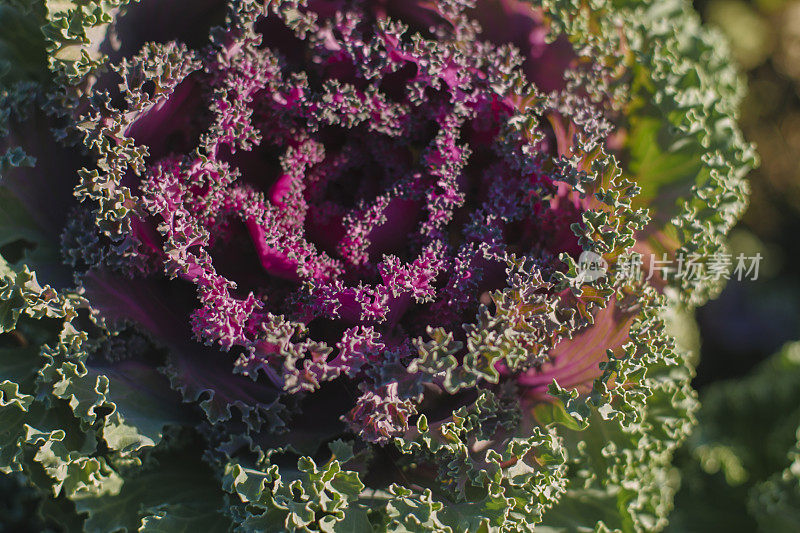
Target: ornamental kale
{"points": [[316, 265]]}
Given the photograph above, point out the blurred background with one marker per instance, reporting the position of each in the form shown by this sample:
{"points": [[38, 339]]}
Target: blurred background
{"points": [[751, 320], [741, 468]]}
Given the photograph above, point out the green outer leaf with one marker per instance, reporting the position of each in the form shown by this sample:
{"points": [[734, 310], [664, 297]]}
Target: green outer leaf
{"points": [[143, 405], [22, 44], [174, 491]]}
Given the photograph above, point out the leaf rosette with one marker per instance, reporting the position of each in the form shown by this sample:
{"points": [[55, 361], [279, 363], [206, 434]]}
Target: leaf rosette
{"points": [[316, 266]]}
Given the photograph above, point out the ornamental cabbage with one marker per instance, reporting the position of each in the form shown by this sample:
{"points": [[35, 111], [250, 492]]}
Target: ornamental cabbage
{"points": [[320, 265]]}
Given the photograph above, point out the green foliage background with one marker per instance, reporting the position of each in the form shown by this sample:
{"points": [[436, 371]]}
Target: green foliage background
{"points": [[740, 469]]}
